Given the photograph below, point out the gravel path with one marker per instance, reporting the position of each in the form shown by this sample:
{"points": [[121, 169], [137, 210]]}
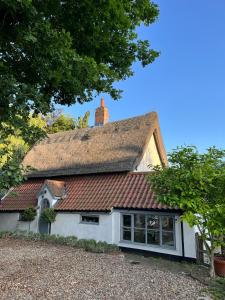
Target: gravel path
{"points": [[30, 270]]}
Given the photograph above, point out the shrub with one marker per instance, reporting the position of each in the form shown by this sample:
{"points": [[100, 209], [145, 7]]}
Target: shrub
{"points": [[48, 215], [87, 245], [28, 214]]}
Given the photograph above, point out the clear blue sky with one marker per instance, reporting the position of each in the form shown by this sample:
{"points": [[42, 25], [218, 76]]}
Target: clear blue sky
{"points": [[186, 84]]}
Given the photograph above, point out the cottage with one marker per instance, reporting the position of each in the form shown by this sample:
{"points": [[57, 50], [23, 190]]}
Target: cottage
{"points": [[96, 180]]}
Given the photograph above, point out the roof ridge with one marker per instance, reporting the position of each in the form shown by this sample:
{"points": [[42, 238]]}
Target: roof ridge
{"points": [[95, 127]]}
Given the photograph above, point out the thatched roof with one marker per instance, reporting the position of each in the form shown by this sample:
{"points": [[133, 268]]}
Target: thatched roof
{"points": [[114, 147]]}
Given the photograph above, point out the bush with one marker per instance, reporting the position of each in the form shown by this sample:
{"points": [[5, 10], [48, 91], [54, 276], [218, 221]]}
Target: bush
{"points": [[28, 214], [73, 241], [48, 215]]}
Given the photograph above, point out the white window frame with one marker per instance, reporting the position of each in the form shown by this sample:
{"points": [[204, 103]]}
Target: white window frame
{"points": [[146, 214]]}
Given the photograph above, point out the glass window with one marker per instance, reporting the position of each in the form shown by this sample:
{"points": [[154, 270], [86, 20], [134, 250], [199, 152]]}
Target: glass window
{"points": [[168, 238], [139, 235], [90, 219], [139, 221], [153, 222], [126, 234], [127, 220], [149, 229], [127, 223], [167, 223], [153, 237]]}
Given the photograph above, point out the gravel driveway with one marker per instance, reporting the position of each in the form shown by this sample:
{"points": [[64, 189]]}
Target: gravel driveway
{"points": [[34, 270]]}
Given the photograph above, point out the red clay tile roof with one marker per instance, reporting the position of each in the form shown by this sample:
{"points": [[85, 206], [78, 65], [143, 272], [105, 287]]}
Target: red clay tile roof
{"points": [[22, 197], [100, 192]]}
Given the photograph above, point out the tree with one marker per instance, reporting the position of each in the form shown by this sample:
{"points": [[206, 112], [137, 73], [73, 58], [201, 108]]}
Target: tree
{"points": [[195, 183], [56, 122], [64, 51], [28, 215], [15, 144]]}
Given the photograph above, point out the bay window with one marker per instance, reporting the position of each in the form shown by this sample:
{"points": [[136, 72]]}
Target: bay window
{"points": [[149, 229]]}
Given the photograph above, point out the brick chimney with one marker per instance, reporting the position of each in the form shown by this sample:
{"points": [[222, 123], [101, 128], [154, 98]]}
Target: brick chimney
{"points": [[101, 114]]}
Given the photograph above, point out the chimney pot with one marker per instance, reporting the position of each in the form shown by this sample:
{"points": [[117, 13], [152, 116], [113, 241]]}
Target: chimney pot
{"points": [[101, 114], [102, 102]]}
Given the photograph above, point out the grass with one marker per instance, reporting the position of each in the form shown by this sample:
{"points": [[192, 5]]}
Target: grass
{"points": [[73, 241], [217, 289]]}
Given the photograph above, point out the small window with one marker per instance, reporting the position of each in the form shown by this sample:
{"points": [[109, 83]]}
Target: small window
{"points": [[90, 219]]}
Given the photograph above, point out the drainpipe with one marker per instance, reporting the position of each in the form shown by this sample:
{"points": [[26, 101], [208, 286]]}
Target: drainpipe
{"points": [[182, 238]]}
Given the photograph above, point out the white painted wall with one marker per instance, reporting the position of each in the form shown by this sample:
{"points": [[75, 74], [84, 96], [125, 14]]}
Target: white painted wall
{"points": [[189, 241], [70, 224], [108, 230], [150, 157], [10, 222]]}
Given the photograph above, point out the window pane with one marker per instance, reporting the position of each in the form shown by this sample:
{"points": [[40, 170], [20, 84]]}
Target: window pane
{"points": [[126, 235], [139, 221], [167, 239], [139, 236], [153, 222], [153, 237], [90, 219], [167, 223], [127, 220]]}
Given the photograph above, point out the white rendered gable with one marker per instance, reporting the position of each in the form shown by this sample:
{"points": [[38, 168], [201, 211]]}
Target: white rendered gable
{"points": [[46, 194], [150, 157]]}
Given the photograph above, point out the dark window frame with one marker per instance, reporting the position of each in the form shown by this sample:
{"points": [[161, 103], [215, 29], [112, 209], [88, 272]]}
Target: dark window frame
{"points": [[89, 222]]}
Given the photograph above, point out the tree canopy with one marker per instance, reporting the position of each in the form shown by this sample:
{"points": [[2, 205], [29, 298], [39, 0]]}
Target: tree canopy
{"points": [[15, 145], [195, 183], [64, 51], [56, 122]]}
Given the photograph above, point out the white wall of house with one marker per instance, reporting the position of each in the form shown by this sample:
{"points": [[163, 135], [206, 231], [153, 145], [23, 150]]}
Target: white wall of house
{"points": [[67, 224], [108, 230], [150, 157], [189, 240], [9, 221]]}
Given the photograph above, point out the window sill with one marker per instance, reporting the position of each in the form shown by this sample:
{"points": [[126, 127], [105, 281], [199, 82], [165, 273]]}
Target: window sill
{"points": [[89, 223], [173, 248]]}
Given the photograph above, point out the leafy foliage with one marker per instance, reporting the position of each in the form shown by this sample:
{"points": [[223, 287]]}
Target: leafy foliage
{"points": [[48, 215], [195, 183], [60, 122], [51, 52], [28, 214], [15, 142], [62, 52]]}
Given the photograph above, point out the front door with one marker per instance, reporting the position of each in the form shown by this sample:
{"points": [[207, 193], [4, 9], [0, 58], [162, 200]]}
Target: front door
{"points": [[44, 227]]}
